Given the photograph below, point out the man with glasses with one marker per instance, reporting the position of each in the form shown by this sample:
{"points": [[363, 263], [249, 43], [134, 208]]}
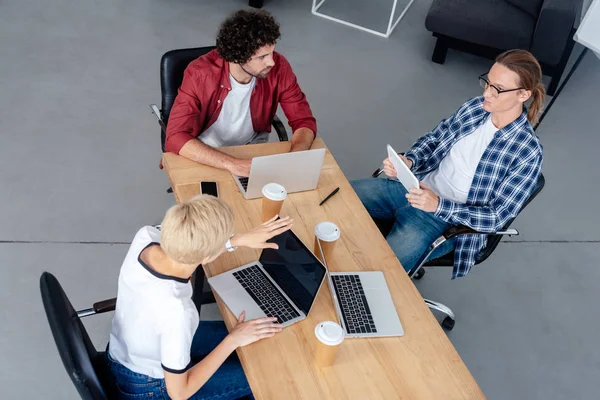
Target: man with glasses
{"points": [[229, 96], [476, 168]]}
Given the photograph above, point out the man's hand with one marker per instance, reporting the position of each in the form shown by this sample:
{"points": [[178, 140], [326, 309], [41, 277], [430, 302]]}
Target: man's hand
{"points": [[257, 237], [240, 167], [423, 198], [388, 167]]}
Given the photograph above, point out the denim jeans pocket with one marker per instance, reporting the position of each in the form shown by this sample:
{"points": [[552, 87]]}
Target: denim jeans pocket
{"points": [[129, 390], [132, 385]]}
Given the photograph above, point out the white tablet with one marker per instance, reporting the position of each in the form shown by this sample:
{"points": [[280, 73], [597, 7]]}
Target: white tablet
{"points": [[403, 173]]}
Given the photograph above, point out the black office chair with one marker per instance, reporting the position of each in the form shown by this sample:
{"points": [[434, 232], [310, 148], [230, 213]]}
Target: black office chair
{"points": [[172, 65], [447, 260], [86, 366]]}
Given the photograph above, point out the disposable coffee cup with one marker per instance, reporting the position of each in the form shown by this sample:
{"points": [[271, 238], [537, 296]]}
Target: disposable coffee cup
{"points": [[327, 234], [273, 196], [329, 337]]}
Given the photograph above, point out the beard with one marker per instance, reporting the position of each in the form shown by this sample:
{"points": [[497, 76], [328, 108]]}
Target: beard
{"points": [[263, 74], [260, 75]]}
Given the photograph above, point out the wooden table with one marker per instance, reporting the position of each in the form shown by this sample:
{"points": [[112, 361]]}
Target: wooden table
{"points": [[422, 364]]}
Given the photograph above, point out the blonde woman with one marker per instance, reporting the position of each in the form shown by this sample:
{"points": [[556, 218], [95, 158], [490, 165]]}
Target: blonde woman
{"points": [[158, 347]]}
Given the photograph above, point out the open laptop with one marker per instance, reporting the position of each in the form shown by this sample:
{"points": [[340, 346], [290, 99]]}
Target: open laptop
{"points": [[297, 171], [364, 304], [283, 283]]}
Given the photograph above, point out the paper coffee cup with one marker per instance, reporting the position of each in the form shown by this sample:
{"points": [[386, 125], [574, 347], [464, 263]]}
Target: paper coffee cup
{"points": [[327, 233], [273, 196], [329, 336]]}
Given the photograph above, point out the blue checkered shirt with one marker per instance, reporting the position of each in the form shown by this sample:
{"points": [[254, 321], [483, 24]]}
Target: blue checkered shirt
{"points": [[505, 176]]}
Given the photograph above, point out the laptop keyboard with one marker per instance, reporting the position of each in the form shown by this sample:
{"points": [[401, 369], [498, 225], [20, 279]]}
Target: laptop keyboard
{"points": [[244, 182], [265, 294], [353, 304]]}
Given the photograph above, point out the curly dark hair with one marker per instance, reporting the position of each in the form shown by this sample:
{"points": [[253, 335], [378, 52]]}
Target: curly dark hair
{"points": [[244, 32]]}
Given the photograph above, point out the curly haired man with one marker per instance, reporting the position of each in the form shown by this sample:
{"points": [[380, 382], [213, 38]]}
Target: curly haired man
{"points": [[230, 95]]}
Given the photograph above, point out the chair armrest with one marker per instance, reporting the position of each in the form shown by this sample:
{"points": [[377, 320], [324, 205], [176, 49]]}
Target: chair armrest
{"points": [[163, 127], [457, 230], [98, 308], [105, 305], [280, 129], [377, 172], [553, 30], [451, 232], [156, 111]]}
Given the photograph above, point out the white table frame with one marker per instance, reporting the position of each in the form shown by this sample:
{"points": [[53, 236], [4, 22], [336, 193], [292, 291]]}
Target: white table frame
{"points": [[391, 24]]}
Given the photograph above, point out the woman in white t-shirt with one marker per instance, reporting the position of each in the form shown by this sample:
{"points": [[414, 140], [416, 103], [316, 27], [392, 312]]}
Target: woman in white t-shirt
{"points": [[158, 347]]}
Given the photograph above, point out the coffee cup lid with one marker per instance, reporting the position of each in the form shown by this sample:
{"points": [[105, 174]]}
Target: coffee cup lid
{"points": [[327, 231], [274, 191], [329, 333]]}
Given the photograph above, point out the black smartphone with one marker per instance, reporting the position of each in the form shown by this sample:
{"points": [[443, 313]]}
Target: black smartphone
{"points": [[209, 188]]}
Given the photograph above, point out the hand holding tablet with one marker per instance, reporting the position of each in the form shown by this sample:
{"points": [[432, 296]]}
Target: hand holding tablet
{"points": [[403, 173]]}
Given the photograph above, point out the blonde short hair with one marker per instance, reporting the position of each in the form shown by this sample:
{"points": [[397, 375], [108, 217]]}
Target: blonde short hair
{"points": [[196, 229]]}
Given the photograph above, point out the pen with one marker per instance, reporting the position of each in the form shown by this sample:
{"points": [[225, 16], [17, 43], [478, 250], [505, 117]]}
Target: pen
{"points": [[329, 196]]}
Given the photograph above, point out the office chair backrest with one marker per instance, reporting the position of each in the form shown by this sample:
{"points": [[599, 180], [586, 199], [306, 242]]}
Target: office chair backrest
{"points": [[86, 367], [493, 241], [172, 65]]}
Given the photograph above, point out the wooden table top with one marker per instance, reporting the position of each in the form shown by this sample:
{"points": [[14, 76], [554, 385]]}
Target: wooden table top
{"points": [[422, 364]]}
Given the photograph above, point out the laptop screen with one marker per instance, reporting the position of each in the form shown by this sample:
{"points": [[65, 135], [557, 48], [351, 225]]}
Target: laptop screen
{"points": [[295, 269]]}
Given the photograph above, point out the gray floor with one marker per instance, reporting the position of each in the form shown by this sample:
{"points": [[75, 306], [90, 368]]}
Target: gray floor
{"points": [[80, 164]]}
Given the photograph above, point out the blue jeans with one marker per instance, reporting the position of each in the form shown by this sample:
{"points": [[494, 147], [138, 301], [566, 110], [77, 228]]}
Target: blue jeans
{"points": [[228, 382], [414, 230]]}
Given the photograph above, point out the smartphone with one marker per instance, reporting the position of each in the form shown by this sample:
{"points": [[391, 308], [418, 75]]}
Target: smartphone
{"points": [[209, 188]]}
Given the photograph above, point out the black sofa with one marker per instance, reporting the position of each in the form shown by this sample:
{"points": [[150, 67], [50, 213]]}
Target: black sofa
{"points": [[489, 27]]}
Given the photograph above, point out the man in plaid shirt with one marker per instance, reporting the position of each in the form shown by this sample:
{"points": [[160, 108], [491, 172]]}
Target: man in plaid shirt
{"points": [[477, 168]]}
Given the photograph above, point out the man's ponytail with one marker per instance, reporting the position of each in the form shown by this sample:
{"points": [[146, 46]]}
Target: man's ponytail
{"points": [[537, 104]]}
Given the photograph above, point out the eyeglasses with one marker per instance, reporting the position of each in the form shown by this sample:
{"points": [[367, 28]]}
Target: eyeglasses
{"points": [[485, 84]]}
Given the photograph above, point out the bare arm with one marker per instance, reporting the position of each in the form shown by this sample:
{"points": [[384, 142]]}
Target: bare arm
{"points": [[302, 139], [197, 151], [183, 386]]}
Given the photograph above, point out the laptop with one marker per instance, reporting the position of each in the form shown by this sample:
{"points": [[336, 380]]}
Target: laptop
{"points": [[297, 172], [364, 304], [282, 283]]}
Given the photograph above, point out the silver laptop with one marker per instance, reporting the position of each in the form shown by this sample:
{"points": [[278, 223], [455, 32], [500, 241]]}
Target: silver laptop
{"points": [[283, 283], [364, 304], [297, 171]]}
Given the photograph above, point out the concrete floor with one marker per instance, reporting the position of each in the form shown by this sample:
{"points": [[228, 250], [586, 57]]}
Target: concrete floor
{"points": [[80, 172]]}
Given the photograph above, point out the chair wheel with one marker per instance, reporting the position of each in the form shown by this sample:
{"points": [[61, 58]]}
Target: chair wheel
{"points": [[170, 190], [419, 274], [448, 323]]}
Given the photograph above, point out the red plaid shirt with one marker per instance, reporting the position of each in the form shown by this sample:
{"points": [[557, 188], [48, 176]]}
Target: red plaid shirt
{"points": [[205, 85]]}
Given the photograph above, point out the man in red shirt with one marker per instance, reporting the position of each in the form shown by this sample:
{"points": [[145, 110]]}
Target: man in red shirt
{"points": [[229, 96]]}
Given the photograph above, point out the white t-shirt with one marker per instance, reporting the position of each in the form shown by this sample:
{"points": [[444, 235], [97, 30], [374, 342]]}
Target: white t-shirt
{"points": [[234, 125], [155, 318], [453, 177]]}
